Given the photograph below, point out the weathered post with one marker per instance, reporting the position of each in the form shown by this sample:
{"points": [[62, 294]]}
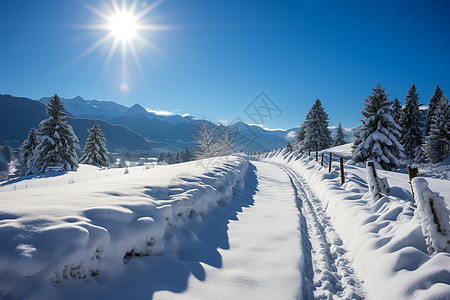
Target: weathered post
{"points": [[321, 162], [371, 164], [317, 155], [341, 163], [309, 152], [413, 172], [329, 163]]}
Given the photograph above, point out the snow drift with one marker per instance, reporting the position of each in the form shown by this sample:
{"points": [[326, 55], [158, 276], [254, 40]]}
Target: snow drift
{"points": [[51, 233], [384, 238]]}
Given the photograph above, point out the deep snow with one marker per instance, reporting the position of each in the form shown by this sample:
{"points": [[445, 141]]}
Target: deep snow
{"points": [[61, 235]]}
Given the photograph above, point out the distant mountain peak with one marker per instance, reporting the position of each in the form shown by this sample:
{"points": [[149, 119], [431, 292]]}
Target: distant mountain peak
{"points": [[136, 110], [78, 98]]}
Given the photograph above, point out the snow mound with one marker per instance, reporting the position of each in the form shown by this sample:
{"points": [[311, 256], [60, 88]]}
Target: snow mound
{"points": [[53, 233]]}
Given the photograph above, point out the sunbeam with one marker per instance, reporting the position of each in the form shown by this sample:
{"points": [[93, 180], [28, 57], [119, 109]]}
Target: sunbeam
{"points": [[123, 24]]}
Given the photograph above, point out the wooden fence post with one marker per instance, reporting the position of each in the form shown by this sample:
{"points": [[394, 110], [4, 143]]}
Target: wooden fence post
{"points": [[341, 163], [321, 162], [309, 152], [413, 172], [371, 164], [329, 163], [317, 155]]}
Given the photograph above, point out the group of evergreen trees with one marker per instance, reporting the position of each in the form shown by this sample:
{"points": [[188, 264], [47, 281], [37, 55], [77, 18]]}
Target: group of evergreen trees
{"points": [[175, 157], [54, 144], [391, 133], [314, 134]]}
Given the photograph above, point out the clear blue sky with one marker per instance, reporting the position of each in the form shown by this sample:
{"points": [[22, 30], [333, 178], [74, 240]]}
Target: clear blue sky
{"points": [[219, 55]]}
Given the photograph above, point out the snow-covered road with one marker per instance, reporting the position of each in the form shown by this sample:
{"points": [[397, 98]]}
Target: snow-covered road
{"points": [[327, 270], [264, 254]]}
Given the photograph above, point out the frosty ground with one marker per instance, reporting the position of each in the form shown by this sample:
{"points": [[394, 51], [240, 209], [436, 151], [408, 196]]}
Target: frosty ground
{"points": [[276, 226]]}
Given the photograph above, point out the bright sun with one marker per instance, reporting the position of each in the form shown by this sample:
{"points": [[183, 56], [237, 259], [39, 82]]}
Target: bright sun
{"points": [[123, 26]]}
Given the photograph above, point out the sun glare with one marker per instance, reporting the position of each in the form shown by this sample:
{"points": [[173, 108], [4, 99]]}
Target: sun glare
{"points": [[123, 26]]}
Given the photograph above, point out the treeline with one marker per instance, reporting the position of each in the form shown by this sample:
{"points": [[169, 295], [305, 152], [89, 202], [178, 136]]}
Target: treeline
{"points": [[390, 134], [175, 157]]}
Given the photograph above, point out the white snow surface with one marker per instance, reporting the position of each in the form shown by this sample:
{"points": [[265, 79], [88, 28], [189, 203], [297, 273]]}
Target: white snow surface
{"points": [[384, 239], [275, 227], [262, 256], [62, 237]]}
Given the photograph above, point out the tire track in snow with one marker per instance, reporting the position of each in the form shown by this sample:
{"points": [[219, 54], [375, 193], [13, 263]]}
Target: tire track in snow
{"points": [[332, 276]]}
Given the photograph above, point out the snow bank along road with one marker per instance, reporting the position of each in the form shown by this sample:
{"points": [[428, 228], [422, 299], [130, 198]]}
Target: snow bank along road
{"points": [[224, 228]]}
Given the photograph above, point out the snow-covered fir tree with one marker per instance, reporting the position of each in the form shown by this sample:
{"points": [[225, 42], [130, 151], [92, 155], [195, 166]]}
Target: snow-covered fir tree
{"points": [[378, 138], [437, 142], [411, 135], [162, 158], [339, 138], [317, 135], [186, 155], [434, 100], [57, 143], [27, 153], [6, 157], [95, 151], [300, 136], [396, 111]]}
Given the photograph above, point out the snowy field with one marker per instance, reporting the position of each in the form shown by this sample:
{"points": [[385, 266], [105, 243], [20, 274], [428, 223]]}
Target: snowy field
{"points": [[277, 226]]}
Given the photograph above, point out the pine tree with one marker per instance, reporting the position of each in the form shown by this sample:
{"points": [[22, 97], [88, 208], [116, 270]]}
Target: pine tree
{"points": [[95, 151], [339, 139], [57, 143], [6, 157], [396, 111], [162, 158], [27, 159], [411, 134], [434, 100], [378, 138], [317, 135], [300, 136], [437, 142], [186, 155]]}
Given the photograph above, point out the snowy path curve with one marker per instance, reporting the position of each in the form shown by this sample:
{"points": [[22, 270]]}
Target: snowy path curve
{"points": [[264, 254], [328, 273]]}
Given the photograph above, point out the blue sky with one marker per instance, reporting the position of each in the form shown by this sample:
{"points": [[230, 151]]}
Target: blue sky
{"points": [[219, 55]]}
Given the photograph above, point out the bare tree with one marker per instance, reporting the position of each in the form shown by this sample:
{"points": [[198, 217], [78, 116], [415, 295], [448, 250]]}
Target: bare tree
{"points": [[212, 141]]}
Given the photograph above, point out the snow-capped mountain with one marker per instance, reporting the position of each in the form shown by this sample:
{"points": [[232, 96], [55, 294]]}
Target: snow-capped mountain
{"points": [[19, 115], [175, 130]]}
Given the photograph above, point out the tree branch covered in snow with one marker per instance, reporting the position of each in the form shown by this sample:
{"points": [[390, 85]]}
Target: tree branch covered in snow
{"points": [[213, 141]]}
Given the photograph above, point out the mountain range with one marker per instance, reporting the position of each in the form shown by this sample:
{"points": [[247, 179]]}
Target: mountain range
{"points": [[130, 129]]}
